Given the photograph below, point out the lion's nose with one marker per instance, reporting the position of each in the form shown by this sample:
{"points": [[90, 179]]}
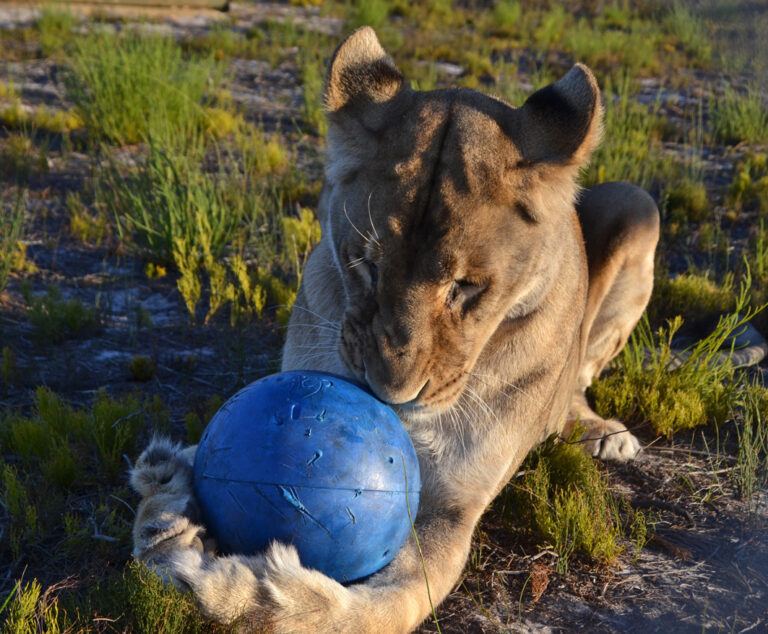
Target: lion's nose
{"points": [[396, 393]]}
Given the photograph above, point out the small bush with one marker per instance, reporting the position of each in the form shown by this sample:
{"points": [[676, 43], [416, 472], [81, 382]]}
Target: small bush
{"points": [[142, 368], [749, 188], [631, 147], [690, 33], [27, 610], [740, 115], [701, 389], [83, 226], [564, 500], [172, 206], [129, 88], [693, 296], [312, 74], [751, 470], [11, 230], [55, 27], [20, 158], [55, 320], [687, 201]]}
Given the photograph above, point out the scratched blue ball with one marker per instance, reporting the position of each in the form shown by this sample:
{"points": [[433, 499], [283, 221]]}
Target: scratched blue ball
{"points": [[313, 460]]}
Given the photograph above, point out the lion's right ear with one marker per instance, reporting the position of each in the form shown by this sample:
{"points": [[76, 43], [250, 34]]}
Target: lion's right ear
{"points": [[360, 73], [561, 123]]}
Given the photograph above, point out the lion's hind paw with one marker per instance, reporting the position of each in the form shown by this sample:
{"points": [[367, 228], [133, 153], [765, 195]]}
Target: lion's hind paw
{"points": [[609, 440]]}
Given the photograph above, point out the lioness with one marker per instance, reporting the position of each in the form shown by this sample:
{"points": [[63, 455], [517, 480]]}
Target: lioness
{"points": [[458, 280]]}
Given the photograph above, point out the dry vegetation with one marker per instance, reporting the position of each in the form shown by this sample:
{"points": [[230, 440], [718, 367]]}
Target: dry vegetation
{"points": [[157, 188]]}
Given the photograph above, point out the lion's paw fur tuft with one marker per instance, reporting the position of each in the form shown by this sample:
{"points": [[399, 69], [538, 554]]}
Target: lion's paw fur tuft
{"points": [[163, 467]]}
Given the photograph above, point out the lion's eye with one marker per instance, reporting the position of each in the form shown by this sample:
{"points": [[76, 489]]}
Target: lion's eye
{"points": [[465, 294], [374, 273]]}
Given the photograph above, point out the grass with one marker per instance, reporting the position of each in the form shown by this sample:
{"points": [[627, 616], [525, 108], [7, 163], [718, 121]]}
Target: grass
{"points": [[749, 189], [694, 296], [740, 115], [564, 501], [171, 204], [84, 226], [136, 599], [671, 390], [11, 230], [55, 27], [751, 470], [21, 159], [63, 489], [56, 320], [129, 88], [631, 147], [15, 117], [690, 32]]}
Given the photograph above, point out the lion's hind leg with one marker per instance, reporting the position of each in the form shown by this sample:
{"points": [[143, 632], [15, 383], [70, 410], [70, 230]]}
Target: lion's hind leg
{"points": [[620, 223]]}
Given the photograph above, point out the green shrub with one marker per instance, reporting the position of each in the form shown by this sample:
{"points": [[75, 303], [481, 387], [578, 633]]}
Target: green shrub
{"points": [[27, 610], [171, 207], [690, 33], [701, 389], [740, 115], [55, 320], [369, 12], [22, 515], [142, 368], [137, 599], [687, 201], [312, 76], [631, 147], [564, 500], [55, 27], [11, 230], [750, 474], [694, 296], [83, 226], [129, 88]]}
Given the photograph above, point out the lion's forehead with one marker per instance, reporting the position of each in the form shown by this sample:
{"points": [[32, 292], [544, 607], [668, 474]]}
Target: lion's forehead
{"points": [[458, 149]]}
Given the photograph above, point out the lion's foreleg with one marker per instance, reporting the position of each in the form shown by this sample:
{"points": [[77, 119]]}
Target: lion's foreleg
{"points": [[169, 538], [396, 599]]}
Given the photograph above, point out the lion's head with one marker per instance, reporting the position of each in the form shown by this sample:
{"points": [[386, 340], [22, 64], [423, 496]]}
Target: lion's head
{"points": [[444, 211]]}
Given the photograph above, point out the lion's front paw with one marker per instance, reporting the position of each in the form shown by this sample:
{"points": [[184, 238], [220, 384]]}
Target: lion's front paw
{"points": [[163, 467], [226, 588], [168, 516], [609, 440], [303, 600]]}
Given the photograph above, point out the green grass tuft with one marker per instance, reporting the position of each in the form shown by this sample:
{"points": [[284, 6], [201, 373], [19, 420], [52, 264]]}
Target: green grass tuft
{"points": [[564, 500], [740, 115], [694, 296], [631, 147], [643, 388], [171, 204], [11, 230], [129, 88], [56, 320]]}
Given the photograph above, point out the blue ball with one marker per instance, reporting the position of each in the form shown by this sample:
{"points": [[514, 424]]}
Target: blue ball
{"points": [[314, 460]]}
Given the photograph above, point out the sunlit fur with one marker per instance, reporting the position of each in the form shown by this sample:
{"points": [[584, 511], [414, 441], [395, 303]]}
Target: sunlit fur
{"points": [[453, 278]]}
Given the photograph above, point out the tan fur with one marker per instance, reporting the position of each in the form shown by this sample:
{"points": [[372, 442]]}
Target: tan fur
{"points": [[453, 278]]}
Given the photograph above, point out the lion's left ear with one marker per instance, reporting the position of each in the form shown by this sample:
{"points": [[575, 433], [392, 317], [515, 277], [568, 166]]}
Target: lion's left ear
{"points": [[561, 123], [361, 73]]}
